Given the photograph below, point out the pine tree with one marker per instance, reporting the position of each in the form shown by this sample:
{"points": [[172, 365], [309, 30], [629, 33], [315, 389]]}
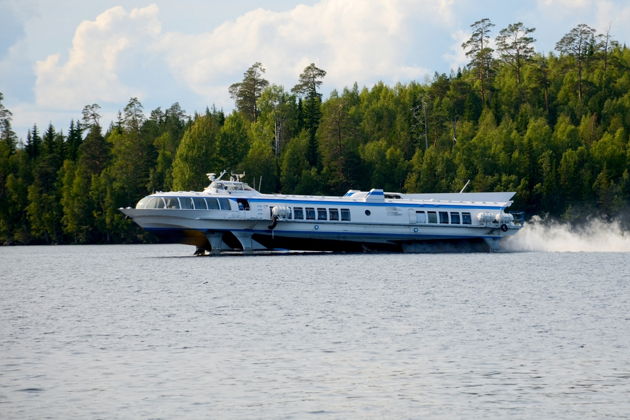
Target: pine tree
{"points": [[73, 141], [33, 143], [247, 92], [8, 138], [516, 47], [578, 44], [196, 154], [309, 82], [478, 50]]}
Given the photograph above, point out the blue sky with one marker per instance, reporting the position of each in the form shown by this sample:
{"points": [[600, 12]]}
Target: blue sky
{"points": [[57, 56]]}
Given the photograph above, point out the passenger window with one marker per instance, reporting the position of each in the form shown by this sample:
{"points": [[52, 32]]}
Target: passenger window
{"points": [[298, 213], [466, 219], [171, 202], [432, 217], [444, 217], [345, 215], [421, 217], [213, 204], [455, 218], [159, 203], [310, 213], [333, 214], [144, 203], [321, 214], [186, 202], [242, 204], [225, 204], [200, 203]]}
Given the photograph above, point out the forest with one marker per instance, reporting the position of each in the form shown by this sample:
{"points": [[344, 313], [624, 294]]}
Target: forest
{"points": [[553, 128]]}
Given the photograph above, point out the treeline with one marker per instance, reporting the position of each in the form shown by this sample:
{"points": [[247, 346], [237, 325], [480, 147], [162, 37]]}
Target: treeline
{"points": [[552, 128]]}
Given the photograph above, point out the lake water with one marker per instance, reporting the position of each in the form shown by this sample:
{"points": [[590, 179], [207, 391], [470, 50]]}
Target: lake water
{"points": [[148, 331]]}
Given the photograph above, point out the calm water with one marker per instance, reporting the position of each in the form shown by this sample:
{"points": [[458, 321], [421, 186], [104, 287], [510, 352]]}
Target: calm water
{"points": [[149, 332]]}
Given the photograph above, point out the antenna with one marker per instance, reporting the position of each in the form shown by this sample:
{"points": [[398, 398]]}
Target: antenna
{"points": [[467, 182]]}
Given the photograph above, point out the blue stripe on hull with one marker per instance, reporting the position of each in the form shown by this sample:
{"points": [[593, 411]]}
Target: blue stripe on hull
{"points": [[368, 203]]}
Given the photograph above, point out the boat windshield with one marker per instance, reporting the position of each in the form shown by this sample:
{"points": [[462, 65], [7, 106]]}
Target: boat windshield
{"points": [[230, 186]]}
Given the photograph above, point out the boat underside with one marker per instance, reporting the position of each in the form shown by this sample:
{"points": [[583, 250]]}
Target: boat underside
{"points": [[216, 242]]}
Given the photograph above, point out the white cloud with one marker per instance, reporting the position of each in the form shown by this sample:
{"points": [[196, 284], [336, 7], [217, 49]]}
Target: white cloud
{"points": [[613, 16], [565, 4], [352, 40], [363, 41], [91, 72], [560, 16], [123, 53], [456, 57]]}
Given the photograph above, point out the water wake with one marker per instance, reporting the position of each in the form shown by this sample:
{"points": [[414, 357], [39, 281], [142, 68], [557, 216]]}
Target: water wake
{"points": [[594, 236]]}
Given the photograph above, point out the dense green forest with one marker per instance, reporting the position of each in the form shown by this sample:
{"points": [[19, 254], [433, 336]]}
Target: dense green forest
{"points": [[554, 128]]}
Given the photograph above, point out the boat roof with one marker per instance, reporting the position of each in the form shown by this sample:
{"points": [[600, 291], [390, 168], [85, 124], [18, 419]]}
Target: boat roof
{"points": [[235, 188], [232, 189]]}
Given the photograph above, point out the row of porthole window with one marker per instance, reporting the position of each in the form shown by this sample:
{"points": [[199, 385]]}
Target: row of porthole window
{"points": [[319, 213], [184, 203], [444, 217]]}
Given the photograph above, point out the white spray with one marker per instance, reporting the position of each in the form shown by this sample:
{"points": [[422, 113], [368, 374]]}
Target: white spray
{"points": [[594, 236]]}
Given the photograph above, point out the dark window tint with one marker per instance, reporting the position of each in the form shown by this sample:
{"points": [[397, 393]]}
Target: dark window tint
{"points": [[200, 203], [432, 217], [466, 219], [455, 218], [225, 204], [345, 215], [310, 213], [333, 214], [298, 213], [444, 217], [213, 204], [186, 202], [171, 202], [321, 214]]}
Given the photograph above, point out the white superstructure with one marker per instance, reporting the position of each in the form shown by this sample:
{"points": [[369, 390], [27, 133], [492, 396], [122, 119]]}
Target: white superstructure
{"points": [[230, 215]]}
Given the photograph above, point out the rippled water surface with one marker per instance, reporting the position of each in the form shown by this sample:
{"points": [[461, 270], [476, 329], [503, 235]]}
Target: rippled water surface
{"points": [[147, 331]]}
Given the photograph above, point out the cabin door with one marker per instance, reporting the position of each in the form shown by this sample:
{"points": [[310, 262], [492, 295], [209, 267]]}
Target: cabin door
{"points": [[417, 216], [412, 216]]}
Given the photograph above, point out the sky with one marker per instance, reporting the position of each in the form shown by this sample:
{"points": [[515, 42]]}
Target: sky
{"points": [[56, 56]]}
